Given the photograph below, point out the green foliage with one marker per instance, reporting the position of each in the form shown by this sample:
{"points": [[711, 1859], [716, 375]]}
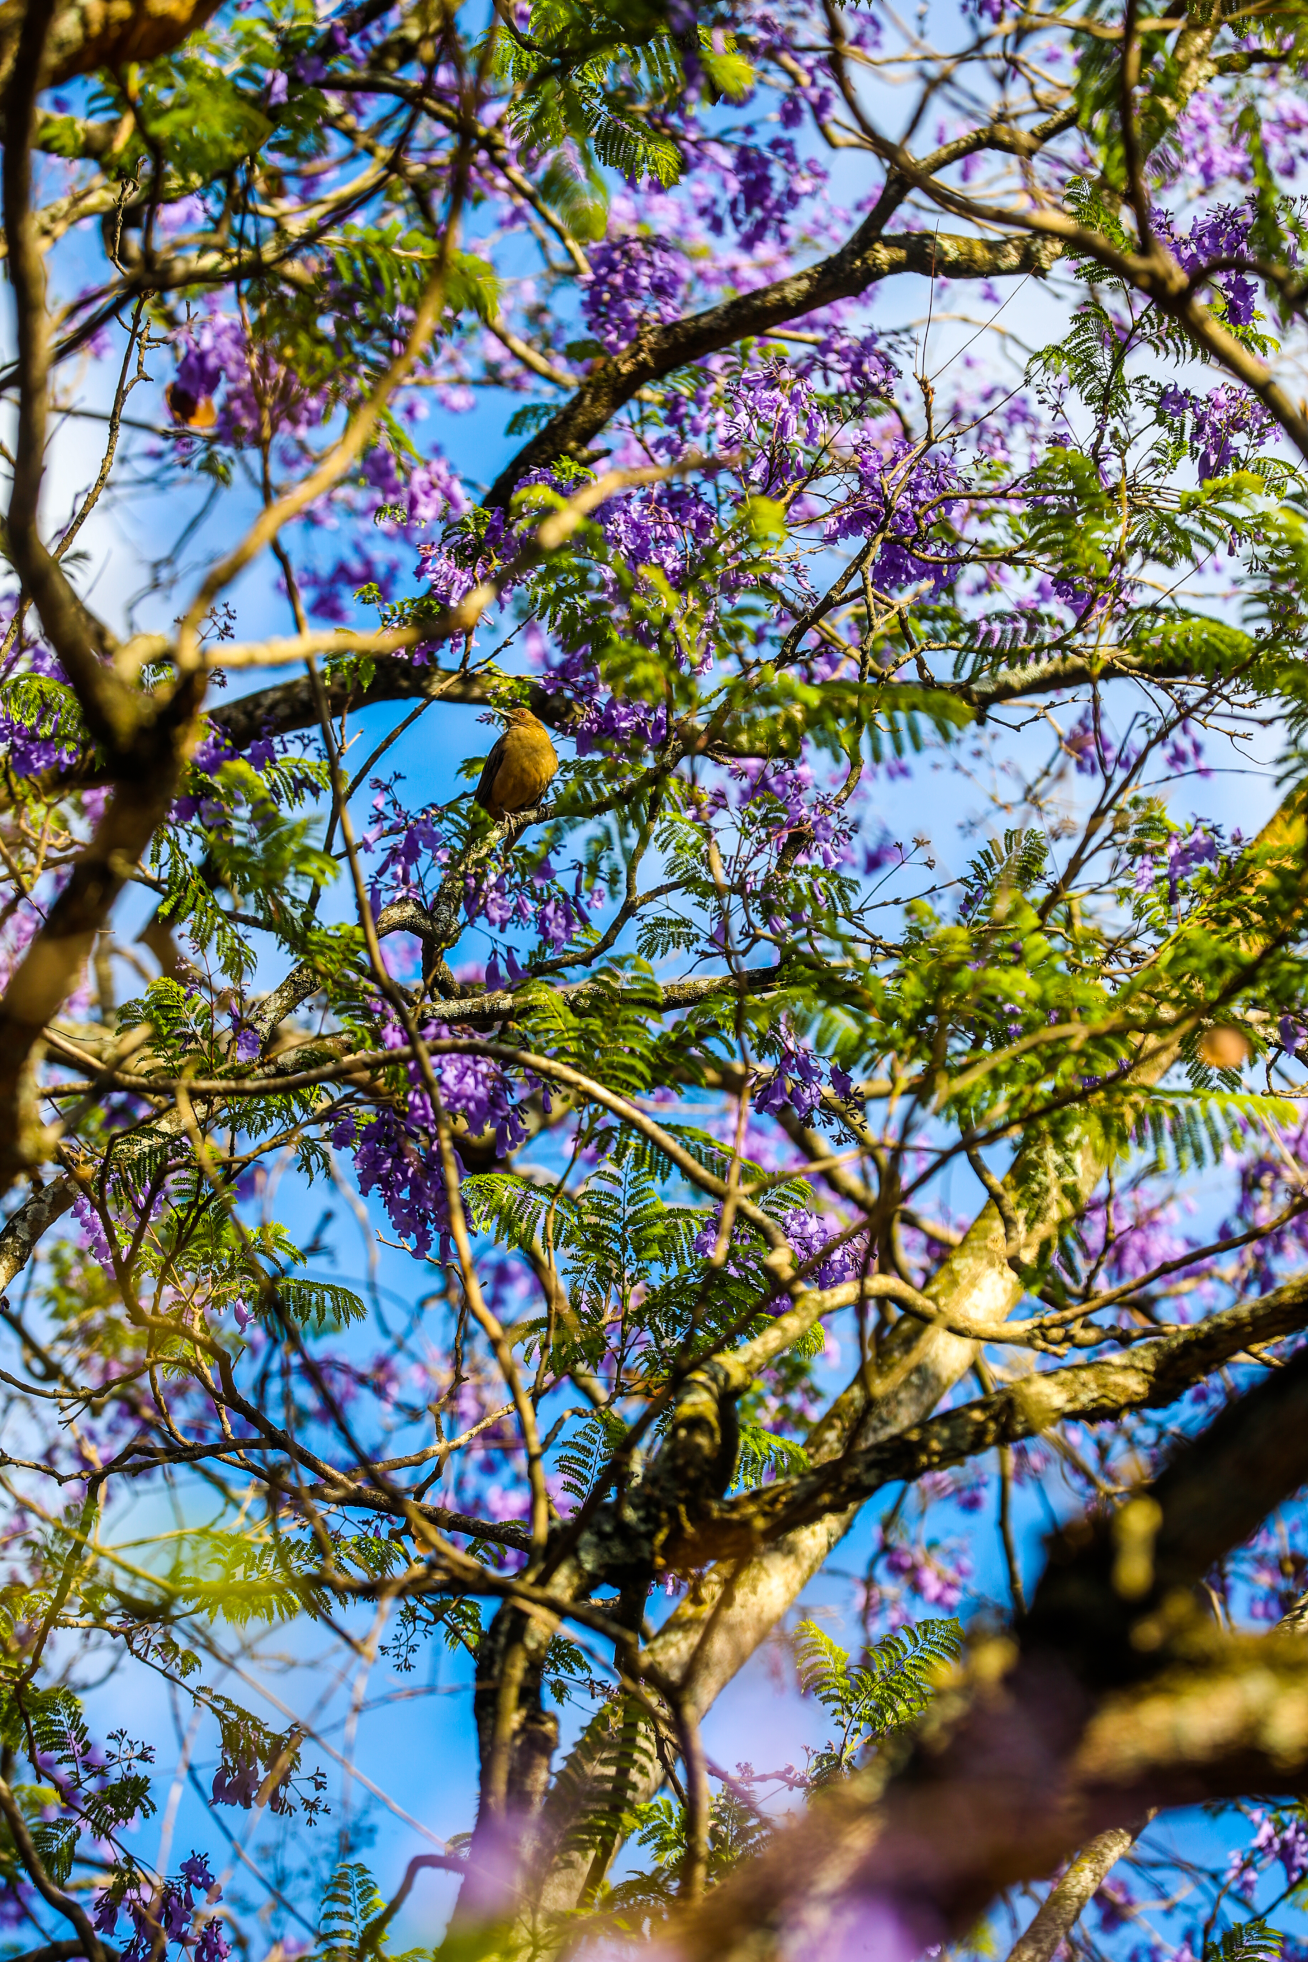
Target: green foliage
{"points": [[602, 71], [92, 1792], [188, 108], [349, 1904], [715, 915], [871, 1699], [1247, 1941], [45, 706], [587, 1451], [322, 1304], [763, 1451], [737, 1831], [249, 1748]]}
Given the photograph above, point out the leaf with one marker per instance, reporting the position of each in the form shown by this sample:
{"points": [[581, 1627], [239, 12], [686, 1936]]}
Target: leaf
{"points": [[764, 518], [325, 1304], [351, 1901], [56, 1841], [876, 1698], [1248, 1941], [526, 421], [762, 1451]]}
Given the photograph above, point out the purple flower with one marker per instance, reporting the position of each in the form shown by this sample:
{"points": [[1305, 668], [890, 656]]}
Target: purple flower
{"points": [[93, 1233], [664, 527], [239, 1785], [770, 182], [195, 1871], [775, 415], [246, 1046], [397, 1157], [632, 281], [1185, 856], [808, 1233], [213, 348], [213, 1945], [906, 493], [1222, 233], [1226, 421]]}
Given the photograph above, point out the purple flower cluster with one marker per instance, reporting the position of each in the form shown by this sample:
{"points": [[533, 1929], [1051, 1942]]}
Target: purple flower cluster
{"points": [[925, 1572], [410, 843], [213, 350], [808, 1233], [1222, 233], [775, 416], [93, 1233], [797, 1080], [405, 1170], [770, 181], [207, 759], [32, 747], [558, 917], [260, 391], [1184, 752], [601, 721], [1265, 1187], [633, 281], [784, 792], [398, 1156], [612, 722], [428, 492], [666, 527], [903, 493], [855, 366], [1133, 1237], [1227, 422], [171, 1911], [1279, 1836], [1183, 856], [1093, 749], [454, 566]]}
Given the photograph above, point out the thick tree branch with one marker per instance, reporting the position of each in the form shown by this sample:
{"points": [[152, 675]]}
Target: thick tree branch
{"points": [[1148, 1376], [865, 259], [1061, 1907], [731, 1610], [143, 736], [24, 1227], [89, 34], [1122, 1696], [88, 1942], [289, 705]]}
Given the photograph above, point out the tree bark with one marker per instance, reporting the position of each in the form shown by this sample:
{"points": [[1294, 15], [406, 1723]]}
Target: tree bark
{"points": [[1063, 1905]]}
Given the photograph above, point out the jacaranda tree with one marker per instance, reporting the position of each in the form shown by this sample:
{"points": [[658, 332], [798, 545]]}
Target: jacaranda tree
{"points": [[868, 495]]}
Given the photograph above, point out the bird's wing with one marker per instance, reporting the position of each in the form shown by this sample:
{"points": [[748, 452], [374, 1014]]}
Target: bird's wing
{"points": [[484, 793]]}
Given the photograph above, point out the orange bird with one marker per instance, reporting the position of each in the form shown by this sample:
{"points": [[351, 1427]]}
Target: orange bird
{"points": [[192, 411], [519, 769]]}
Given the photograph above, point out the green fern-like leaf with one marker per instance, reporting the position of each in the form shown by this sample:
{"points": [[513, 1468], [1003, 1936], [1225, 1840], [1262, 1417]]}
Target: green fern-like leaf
{"points": [[349, 1904], [1248, 1941], [321, 1303], [871, 1700]]}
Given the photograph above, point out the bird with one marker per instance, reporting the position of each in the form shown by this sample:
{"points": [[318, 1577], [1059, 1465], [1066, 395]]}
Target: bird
{"points": [[191, 411], [520, 767]]}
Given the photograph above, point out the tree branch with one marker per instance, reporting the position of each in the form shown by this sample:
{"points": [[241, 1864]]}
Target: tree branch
{"points": [[865, 259], [1123, 1695], [1062, 1905]]}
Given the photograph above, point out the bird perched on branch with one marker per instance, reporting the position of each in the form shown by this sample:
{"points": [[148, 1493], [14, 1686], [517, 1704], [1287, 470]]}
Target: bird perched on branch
{"points": [[519, 769]]}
